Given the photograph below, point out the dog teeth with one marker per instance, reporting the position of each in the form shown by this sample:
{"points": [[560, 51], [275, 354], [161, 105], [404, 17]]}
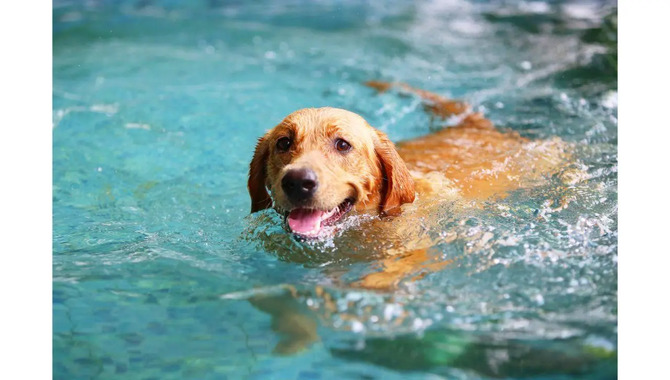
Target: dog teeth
{"points": [[328, 214]]}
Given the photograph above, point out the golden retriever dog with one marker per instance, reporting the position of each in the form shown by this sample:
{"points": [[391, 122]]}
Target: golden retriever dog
{"points": [[321, 164]]}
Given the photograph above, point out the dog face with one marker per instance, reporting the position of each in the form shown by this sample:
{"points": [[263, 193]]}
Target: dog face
{"points": [[321, 163]]}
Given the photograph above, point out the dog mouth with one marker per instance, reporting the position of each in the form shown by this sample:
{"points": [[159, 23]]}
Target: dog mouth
{"points": [[308, 222]]}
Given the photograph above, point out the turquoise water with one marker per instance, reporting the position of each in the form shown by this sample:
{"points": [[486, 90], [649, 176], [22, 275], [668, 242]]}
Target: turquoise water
{"points": [[156, 110]]}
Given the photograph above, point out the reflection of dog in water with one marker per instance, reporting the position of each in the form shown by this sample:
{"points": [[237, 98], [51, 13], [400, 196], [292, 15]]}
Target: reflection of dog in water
{"points": [[319, 165]]}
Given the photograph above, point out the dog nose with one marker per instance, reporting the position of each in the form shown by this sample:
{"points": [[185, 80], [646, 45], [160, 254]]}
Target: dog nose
{"points": [[299, 184]]}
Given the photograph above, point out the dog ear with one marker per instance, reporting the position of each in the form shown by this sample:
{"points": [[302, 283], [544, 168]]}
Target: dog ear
{"points": [[397, 184], [260, 199]]}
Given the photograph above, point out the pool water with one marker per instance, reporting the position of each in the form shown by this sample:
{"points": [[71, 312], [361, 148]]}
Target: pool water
{"points": [[157, 106]]}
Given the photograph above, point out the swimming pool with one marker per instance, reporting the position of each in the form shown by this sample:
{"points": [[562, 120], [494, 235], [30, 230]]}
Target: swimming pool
{"points": [[157, 108]]}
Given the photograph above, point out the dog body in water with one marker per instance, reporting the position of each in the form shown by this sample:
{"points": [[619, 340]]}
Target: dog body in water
{"points": [[321, 164]]}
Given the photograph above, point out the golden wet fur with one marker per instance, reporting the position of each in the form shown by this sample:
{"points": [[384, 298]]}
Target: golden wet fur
{"points": [[471, 161]]}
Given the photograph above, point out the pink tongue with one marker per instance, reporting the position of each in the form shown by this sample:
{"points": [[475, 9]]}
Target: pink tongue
{"points": [[304, 221]]}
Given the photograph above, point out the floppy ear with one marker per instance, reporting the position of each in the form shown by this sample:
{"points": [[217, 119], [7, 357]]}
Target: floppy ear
{"points": [[397, 184], [260, 199]]}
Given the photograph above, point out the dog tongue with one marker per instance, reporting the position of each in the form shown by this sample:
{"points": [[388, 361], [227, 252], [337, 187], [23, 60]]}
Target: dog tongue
{"points": [[305, 221]]}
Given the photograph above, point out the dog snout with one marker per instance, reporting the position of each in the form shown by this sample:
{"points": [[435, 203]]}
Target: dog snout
{"points": [[299, 184]]}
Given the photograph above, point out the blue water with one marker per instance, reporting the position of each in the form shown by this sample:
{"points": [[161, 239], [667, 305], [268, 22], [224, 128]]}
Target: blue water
{"points": [[157, 106]]}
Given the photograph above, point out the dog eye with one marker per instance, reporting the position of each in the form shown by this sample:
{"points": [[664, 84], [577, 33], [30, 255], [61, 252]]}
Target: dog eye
{"points": [[342, 146], [283, 144]]}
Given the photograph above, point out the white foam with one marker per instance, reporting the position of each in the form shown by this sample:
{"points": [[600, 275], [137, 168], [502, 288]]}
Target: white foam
{"points": [[138, 126]]}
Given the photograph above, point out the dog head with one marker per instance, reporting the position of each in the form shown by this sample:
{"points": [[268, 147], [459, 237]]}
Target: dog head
{"points": [[320, 163]]}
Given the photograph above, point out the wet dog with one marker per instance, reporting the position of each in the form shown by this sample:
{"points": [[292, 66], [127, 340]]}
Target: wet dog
{"points": [[321, 164]]}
